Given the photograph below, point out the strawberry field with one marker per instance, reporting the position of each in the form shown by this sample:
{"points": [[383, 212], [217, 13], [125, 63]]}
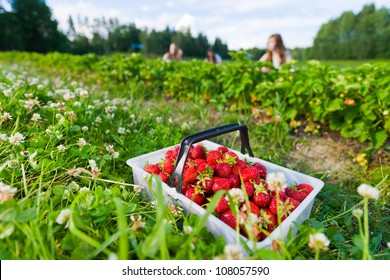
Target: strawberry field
{"points": [[70, 123]]}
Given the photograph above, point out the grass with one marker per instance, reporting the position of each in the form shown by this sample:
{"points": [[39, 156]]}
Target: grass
{"points": [[109, 218]]}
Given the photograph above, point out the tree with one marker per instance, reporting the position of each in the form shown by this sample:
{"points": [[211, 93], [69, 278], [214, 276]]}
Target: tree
{"points": [[221, 48]]}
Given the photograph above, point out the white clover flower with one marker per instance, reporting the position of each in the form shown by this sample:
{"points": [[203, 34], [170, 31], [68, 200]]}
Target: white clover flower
{"points": [[137, 189], [84, 128], [276, 181], [36, 117], [388, 244], [3, 137], [237, 195], [175, 210], [121, 130], [107, 131], [76, 104], [82, 92], [84, 189], [357, 212], [25, 153], [61, 148], [385, 112], [132, 116], [368, 191], [81, 142], [185, 126], [98, 120], [231, 252], [112, 257], [5, 116], [158, 119], [170, 120], [92, 163], [153, 204], [68, 96], [64, 217], [6, 192], [16, 139], [187, 229], [13, 163], [91, 107], [319, 241]]}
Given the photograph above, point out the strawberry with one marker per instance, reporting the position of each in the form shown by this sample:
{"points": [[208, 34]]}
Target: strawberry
{"points": [[213, 157], [200, 164], [175, 152], [268, 219], [222, 206], [169, 166], [249, 173], [206, 185], [184, 187], [261, 196], [222, 149], [222, 169], [262, 170], [254, 208], [273, 205], [152, 169], [305, 187], [194, 195], [230, 157], [197, 152], [221, 184], [292, 202], [282, 195], [283, 207], [164, 177], [189, 175], [234, 180], [228, 218], [249, 188], [296, 194], [169, 154], [240, 165]]}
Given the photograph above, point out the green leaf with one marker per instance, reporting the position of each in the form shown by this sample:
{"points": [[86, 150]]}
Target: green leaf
{"points": [[378, 138], [58, 190], [26, 215], [336, 105]]}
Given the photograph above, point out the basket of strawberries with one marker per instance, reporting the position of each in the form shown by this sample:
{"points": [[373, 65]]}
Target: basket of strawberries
{"points": [[259, 201]]}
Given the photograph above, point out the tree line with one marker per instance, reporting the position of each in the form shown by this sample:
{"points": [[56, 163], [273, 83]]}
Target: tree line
{"points": [[36, 31], [29, 26]]}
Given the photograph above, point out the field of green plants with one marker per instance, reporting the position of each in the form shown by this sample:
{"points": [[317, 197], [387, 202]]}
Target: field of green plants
{"points": [[69, 123]]}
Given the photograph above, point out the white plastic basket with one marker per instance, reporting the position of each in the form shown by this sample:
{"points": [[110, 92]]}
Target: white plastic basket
{"points": [[214, 224]]}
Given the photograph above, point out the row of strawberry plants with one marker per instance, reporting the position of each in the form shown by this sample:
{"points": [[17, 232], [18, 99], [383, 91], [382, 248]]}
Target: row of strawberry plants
{"points": [[352, 101]]}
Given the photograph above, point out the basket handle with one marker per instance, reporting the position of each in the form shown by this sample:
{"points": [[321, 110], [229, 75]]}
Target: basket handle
{"points": [[189, 140]]}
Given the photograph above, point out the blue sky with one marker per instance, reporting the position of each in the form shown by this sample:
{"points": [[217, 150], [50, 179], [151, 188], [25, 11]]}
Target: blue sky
{"points": [[241, 24]]}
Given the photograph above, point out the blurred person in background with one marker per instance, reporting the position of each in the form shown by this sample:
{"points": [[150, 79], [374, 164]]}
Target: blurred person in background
{"points": [[276, 52], [213, 57], [173, 54]]}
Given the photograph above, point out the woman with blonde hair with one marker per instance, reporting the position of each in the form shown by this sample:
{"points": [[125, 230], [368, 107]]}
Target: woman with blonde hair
{"points": [[276, 52], [173, 54]]}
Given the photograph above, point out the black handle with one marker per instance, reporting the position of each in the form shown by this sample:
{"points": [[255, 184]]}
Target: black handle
{"points": [[189, 140]]}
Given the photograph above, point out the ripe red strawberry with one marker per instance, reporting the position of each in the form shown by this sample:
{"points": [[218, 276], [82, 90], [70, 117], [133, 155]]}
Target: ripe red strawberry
{"points": [[206, 185], [169, 166], [152, 168], [234, 180], [249, 188], [261, 196], [189, 175], [305, 187], [262, 170], [283, 207], [194, 195], [175, 152], [200, 164], [228, 218], [222, 169], [273, 205], [282, 195], [230, 157], [184, 187], [222, 149], [249, 173], [220, 184], [213, 157], [169, 154], [240, 165], [164, 177], [297, 195], [268, 220], [293, 202], [222, 206], [197, 152], [254, 208]]}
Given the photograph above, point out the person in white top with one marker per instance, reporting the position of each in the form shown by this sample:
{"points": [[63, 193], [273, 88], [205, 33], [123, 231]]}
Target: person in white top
{"points": [[276, 52], [174, 53]]}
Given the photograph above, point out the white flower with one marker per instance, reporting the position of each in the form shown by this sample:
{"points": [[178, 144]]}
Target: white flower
{"points": [[13, 163], [231, 252], [5, 116], [98, 120], [170, 120], [175, 210], [185, 126], [84, 189], [112, 257], [64, 217], [91, 107], [84, 128], [76, 104], [385, 112], [237, 195], [92, 163], [61, 148], [368, 191], [137, 189], [82, 92], [36, 117], [187, 229], [69, 96], [3, 137], [132, 116], [158, 119], [388, 244], [319, 241], [357, 212], [6, 192], [107, 131], [121, 130], [16, 139], [137, 223], [81, 142], [276, 181]]}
